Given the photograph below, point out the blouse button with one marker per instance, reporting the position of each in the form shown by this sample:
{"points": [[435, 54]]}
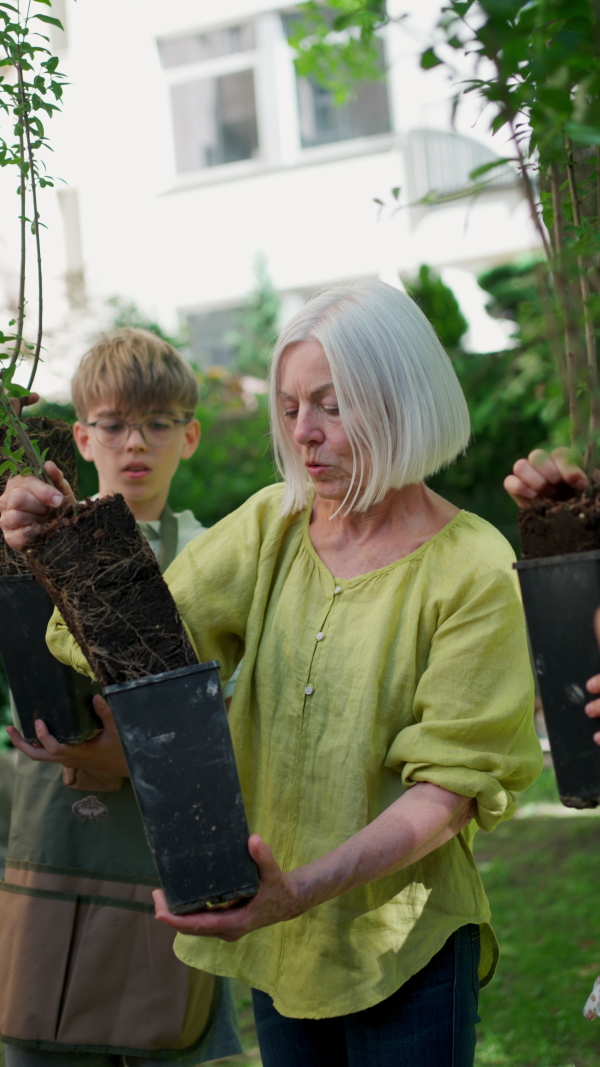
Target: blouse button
{"points": [[320, 635], [309, 690], [337, 590]]}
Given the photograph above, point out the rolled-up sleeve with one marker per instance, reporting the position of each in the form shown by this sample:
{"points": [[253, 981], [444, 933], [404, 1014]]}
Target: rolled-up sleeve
{"points": [[63, 645], [473, 707], [212, 582]]}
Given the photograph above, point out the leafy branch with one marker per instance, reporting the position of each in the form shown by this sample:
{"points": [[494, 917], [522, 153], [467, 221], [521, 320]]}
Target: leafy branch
{"points": [[21, 454], [31, 89], [337, 43], [543, 89]]}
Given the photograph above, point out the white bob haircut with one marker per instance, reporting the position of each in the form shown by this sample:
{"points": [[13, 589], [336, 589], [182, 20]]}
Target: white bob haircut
{"points": [[400, 402]]}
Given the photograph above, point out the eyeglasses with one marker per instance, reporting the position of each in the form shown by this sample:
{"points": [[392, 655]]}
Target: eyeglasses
{"points": [[156, 430]]}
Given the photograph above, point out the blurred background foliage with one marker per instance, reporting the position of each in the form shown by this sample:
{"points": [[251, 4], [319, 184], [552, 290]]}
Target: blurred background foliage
{"points": [[514, 397], [259, 325]]}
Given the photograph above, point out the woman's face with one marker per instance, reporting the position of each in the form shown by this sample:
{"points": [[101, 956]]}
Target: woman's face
{"points": [[309, 403]]}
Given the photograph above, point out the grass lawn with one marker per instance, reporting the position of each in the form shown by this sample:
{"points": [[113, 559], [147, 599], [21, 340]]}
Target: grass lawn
{"points": [[541, 874]]}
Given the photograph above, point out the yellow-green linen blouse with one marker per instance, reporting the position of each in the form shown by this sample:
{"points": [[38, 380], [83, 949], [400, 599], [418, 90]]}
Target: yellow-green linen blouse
{"points": [[350, 692]]}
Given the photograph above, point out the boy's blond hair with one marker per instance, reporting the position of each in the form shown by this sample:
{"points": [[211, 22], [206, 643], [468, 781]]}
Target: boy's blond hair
{"points": [[136, 371]]}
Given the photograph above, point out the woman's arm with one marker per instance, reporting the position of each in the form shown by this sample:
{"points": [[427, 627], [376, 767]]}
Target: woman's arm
{"points": [[421, 820]]}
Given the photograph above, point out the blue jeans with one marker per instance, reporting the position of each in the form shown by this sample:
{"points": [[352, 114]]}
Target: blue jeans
{"points": [[429, 1021]]}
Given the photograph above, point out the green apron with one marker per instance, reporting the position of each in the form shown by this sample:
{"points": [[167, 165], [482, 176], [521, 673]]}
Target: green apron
{"points": [[85, 965]]}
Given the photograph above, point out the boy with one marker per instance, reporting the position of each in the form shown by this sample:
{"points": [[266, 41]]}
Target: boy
{"points": [[89, 977]]}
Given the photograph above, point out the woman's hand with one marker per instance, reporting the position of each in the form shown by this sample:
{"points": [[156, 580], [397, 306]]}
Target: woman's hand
{"points": [[541, 474], [27, 502], [277, 900], [103, 753]]}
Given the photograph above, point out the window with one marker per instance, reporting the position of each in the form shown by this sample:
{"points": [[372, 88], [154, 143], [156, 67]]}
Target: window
{"points": [[212, 336], [322, 121], [200, 46], [213, 103], [235, 97], [214, 121]]}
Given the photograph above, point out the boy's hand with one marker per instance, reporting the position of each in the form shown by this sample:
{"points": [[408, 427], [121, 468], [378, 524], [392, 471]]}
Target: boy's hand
{"points": [[18, 403], [27, 502], [103, 753], [541, 474]]}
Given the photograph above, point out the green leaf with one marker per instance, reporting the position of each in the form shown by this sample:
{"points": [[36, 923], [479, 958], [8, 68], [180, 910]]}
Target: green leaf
{"points": [[49, 19], [12, 389], [485, 168], [7, 377], [19, 390], [429, 59], [583, 134], [499, 122], [461, 8]]}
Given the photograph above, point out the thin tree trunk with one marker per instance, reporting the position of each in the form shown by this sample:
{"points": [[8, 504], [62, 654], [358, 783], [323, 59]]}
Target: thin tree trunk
{"points": [[21, 304], [36, 230], [571, 342], [33, 457], [590, 339]]}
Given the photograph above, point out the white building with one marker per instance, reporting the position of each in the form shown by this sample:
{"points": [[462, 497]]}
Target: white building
{"points": [[188, 145]]}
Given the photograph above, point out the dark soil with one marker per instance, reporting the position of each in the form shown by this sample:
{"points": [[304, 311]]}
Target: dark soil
{"points": [[557, 527], [57, 437], [103, 576]]}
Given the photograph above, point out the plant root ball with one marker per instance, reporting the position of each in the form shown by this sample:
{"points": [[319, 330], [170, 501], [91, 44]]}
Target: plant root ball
{"points": [[103, 576], [57, 437], [559, 527]]}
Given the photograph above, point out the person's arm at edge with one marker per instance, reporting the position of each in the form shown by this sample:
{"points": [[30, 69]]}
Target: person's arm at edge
{"points": [[541, 474], [593, 685]]}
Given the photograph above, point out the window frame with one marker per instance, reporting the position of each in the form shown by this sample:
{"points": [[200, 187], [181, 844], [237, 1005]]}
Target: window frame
{"points": [[279, 137]]}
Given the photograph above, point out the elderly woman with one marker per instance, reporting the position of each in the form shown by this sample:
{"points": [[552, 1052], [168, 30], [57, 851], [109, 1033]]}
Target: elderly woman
{"points": [[384, 706]]}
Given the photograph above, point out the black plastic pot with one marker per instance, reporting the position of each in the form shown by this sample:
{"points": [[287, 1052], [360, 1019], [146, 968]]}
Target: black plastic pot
{"points": [[42, 688], [174, 732], [560, 596]]}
